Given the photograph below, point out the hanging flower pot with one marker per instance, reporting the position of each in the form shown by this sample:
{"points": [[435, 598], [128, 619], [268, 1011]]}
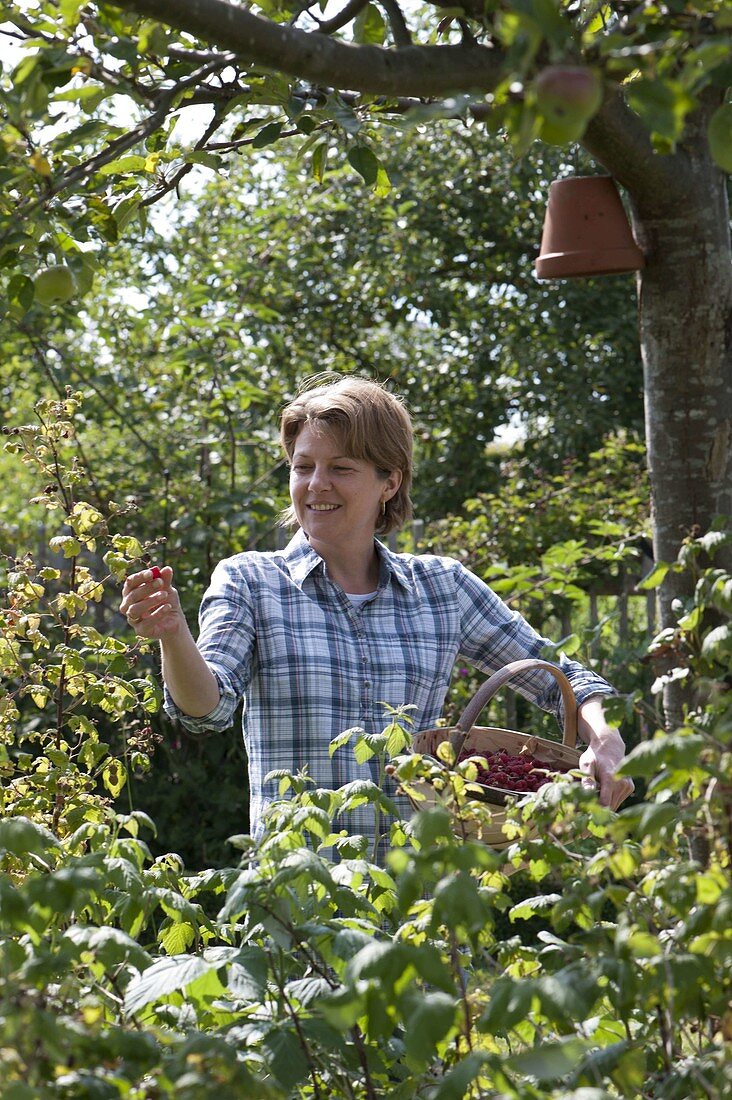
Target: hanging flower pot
{"points": [[586, 231]]}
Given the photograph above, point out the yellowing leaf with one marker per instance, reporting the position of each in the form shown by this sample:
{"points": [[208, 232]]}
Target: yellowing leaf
{"points": [[114, 776], [40, 165]]}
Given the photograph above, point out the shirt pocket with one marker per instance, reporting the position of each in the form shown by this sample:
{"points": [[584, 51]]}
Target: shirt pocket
{"points": [[414, 671]]}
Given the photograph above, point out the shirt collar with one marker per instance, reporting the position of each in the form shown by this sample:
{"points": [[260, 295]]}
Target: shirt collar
{"points": [[303, 560]]}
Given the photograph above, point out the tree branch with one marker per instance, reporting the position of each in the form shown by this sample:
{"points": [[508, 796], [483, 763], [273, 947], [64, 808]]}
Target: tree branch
{"points": [[397, 22], [121, 144], [412, 70], [617, 138], [351, 10], [173, 183]]}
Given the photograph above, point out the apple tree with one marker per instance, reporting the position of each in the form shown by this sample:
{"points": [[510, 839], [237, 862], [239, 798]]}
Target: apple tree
{"points": [[89, 141]]}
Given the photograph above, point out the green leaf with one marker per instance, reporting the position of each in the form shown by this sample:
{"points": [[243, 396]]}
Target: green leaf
{"points": [[21, 291], [529, 907], [662, 104], [284, 1055], [397, 739], [164, 977], [365, 162], [19, 836], [343, 739], [114, 776], [342, 1009], [548, 18], [317, 162], [551, 1061], [362, 751], [369, 28], [110, 946], [428, 1025], [667, 751], [124, 166], [383, 182], [568, 995], [717, 643], [455, 1085], [267, 135], [509, 1004], [655, 817], [344, 115], [208, 160], [432, 825], [629, 1075], [655, 578], [177, 937]]}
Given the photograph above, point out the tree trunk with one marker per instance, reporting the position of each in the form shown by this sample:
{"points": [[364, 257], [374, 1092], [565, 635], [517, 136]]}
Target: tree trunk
{"points": [[685, 297], [681, 221]]}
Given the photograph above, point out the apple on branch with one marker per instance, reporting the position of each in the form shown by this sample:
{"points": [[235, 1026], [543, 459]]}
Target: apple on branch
{"points": [[567, 96], [54, 284]]}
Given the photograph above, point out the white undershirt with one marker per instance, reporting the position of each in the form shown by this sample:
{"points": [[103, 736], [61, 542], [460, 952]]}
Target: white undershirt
{"points": [[357, 598]]}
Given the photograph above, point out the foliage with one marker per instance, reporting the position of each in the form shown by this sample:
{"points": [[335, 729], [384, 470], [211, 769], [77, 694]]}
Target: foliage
{"points": [[53, 756], [84, 62], [568, 551], [199, 327], [282, 77], [77, 180], [310, 969]]}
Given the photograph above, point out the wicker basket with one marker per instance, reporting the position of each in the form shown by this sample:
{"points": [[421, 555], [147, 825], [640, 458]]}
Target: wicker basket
{"points": [[484, 739]]}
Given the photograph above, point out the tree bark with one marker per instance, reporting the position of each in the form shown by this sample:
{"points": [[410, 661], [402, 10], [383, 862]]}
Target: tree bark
{"points": [[422, 71], [680, 216]]}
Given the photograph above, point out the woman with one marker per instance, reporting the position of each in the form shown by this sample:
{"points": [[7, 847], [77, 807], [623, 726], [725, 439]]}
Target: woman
{"points": [[315, 638]]}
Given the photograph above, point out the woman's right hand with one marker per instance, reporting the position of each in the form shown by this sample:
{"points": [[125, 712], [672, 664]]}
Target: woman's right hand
{"points": [[150, 603]]}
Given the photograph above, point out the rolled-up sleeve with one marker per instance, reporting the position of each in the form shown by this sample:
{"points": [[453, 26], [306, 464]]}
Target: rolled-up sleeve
{"points": [[226, 642]]}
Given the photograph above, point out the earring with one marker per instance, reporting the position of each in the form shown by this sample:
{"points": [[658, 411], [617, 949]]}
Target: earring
{"points": [[383, 507]]}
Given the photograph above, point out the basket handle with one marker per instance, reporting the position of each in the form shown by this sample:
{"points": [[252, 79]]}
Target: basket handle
{"points": [[487, 690]]}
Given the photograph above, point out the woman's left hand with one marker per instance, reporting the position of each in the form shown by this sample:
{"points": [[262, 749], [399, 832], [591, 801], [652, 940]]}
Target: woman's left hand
{"points": [[602, 758]]}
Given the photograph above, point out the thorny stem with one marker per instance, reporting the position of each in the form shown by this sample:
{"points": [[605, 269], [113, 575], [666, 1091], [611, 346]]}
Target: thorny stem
{"points": [[323, 972], [358, 1042], [41, 360], [301, 1036], [463, 986]]}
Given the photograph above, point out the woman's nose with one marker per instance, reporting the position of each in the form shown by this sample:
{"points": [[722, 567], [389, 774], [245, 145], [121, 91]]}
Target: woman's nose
{"points": [[319, 480]]}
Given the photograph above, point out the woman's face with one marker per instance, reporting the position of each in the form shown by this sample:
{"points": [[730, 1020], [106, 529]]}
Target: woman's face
{"points": [[337, 499]]}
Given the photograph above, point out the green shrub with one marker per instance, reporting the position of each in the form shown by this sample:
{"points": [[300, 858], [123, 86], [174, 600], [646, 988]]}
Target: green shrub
{"points": [[308, 969]]}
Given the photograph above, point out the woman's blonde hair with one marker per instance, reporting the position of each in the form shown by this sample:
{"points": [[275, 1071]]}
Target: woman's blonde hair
{"points": [[371, 424]]}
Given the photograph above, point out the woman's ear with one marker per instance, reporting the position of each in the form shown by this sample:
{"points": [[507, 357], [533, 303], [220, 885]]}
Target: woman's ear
{"points": [[392, 483]]}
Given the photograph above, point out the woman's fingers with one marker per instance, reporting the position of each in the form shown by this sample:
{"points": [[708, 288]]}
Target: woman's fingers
{"points": [[146, 593], [612, 789]]}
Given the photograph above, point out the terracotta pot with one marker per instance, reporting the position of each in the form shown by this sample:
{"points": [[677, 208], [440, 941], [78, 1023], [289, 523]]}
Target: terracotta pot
{"points": [[586, 231]]}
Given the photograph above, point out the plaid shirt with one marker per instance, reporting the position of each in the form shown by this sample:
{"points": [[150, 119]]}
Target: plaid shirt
{"points": [[279, 634]]}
